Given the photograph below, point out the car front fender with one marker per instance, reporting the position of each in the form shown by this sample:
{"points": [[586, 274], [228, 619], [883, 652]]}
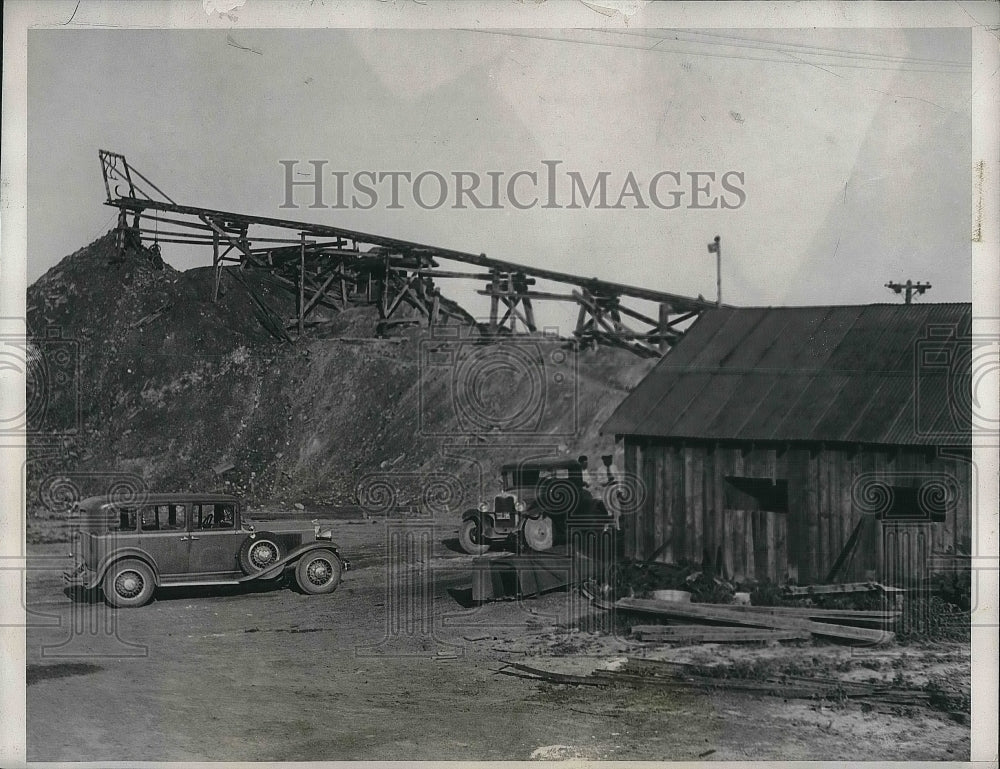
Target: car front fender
{"points": [[292, 558]]}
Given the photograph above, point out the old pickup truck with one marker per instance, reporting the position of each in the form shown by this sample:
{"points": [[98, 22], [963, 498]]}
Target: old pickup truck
{"points": [[538, 501]]}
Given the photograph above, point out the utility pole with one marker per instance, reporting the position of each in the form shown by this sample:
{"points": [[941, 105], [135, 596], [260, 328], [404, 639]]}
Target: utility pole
{"points": [[909, 288], [715, 247]]}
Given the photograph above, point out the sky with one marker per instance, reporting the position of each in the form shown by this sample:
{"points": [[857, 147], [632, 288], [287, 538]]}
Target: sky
{"points": [[854, 145]]}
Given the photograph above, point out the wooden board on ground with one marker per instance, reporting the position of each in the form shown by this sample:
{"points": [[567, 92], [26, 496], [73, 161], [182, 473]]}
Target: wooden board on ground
{"points": [[706, 634], [644, 673], [712, 613], [865, 618], [816, 611], [847, 588]]}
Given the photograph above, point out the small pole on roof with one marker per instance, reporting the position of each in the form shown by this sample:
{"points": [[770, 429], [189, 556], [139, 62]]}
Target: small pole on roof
{"points": [[910, 289], [715, 247]]}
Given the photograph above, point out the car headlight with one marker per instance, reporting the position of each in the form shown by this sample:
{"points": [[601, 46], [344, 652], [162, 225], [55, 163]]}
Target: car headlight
{"points": [[484, 507], [324, 534], [520, 507]]}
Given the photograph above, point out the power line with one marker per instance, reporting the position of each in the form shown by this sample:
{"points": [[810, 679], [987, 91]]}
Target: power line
{"points": [[795, 55], [657, 48], [818, 50]]}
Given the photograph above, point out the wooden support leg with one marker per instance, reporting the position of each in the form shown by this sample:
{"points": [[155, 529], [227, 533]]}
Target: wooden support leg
{"points": [[508, 314], [384, 301], [216, 267], [494, 304], [581, 323], [120, 235], [302, 284], [529, 314], [664, 325], [435, 306]]}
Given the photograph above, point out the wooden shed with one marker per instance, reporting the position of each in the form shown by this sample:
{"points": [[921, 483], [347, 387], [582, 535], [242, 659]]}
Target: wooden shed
{"points": [[783, 442]]}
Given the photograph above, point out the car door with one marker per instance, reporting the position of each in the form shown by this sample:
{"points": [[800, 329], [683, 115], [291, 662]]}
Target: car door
{"points": [[163, 535], [215, 541]]}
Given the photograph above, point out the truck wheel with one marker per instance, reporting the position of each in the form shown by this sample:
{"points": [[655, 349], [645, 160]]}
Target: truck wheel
{"points": [[318, 572], [538, 533], [128, 584], [470, 537], [259, 552]]}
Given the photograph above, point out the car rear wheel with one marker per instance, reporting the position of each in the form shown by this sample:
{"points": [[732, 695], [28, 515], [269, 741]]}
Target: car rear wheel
{"points": [[128, 584], [538, 533], [259, 552], [319, 572], [470, 538]]}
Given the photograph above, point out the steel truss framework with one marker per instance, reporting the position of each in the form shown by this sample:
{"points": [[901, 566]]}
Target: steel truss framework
{"points": [[333, 268]]}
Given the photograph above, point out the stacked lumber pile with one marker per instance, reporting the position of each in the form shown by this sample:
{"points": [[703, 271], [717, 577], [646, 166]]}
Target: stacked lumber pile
{"points": [[715, 623], [659, 674]]}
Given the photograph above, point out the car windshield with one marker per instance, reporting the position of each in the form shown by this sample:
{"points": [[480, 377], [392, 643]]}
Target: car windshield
{"points": [[529, 477]]}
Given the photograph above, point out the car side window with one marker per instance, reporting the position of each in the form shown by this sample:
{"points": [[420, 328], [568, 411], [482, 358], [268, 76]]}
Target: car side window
{"points": [[127, 517], [213, 516], [224, 516], [147, 516], [201, 516], [172, 517]]}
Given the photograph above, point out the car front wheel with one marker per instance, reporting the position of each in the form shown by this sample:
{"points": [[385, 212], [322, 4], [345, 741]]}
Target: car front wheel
{"points": [[128, 584], [319, 572], [470, 538]]}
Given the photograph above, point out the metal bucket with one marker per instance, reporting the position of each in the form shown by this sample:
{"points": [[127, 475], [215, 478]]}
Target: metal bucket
{"points": [[676, 596]]}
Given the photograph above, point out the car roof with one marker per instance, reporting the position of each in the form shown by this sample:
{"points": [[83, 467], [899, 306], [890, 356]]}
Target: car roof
{"points": [[543, 464], [95, 503]]}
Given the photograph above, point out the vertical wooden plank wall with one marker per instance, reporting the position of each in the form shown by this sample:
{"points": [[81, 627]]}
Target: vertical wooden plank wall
{"points": [[684, 506]]}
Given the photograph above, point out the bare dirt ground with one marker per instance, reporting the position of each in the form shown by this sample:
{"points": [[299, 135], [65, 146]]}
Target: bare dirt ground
{"points": [[382, 673]]}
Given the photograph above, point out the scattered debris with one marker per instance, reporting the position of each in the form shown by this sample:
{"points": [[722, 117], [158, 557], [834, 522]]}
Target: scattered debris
{"points": [[527, 575], [642, 673], [151, 317], [726, 615], [555, 753]]}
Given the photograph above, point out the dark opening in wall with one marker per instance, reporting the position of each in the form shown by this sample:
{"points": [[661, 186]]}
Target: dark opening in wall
{"points": [[908, 503], [756, 494]]}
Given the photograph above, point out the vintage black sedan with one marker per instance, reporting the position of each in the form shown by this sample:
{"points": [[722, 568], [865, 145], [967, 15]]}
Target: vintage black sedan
{"points": [[171, 540]]}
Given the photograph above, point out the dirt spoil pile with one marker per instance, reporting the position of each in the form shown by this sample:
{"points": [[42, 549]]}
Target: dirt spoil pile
{"points": [[174, 392]]}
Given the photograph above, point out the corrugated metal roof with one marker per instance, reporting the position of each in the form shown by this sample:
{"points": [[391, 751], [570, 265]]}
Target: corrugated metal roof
{"points": [[883, 374]]}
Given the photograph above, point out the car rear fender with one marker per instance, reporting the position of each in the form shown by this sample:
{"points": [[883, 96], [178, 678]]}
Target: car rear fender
{"points": [[292, 558], [121, 554]]}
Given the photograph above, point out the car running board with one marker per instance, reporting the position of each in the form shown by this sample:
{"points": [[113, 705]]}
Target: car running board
{"points": [[201, 583]]}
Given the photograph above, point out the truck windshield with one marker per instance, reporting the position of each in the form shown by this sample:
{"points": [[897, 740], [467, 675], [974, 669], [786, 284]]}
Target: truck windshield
{"points": [[530, 477]]}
